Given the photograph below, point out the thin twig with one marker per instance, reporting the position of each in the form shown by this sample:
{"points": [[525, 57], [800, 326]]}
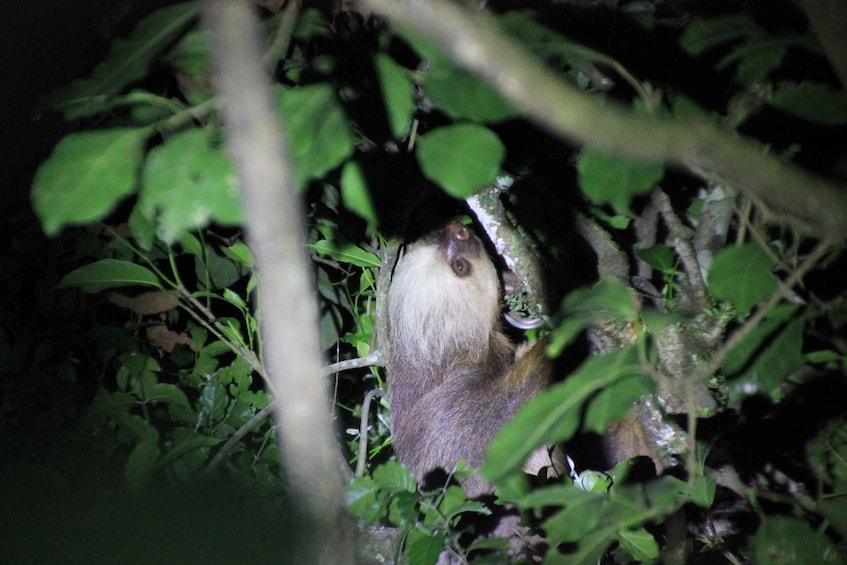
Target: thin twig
{"points": [[237, 437], [374, 359], [363, 431], [278, 46]]}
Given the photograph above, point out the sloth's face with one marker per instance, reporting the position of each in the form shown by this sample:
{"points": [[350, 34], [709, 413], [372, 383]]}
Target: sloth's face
{"points": [[446, 288], [460, 247]]}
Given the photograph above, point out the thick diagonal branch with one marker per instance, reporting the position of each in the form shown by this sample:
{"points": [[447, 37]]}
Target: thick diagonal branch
{"points": [[475, 42]]}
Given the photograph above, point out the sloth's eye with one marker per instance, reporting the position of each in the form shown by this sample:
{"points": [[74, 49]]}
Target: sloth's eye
{"points": [[461, 267]]}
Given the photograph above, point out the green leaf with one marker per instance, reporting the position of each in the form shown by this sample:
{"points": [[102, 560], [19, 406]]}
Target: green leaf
{"points": [[743, 353], [189, 184], [703, 491], [346, 253], [813, 101], [222, 270], [554, 415], [403, 509], [702, 35], [190, 54], [462, 158], [143, 229], [129, 59], [424, 549], [593, 481], [394, 477], [587, 505], [86, 176], [190, 243], [398, 94], [782, 540], [213, 401], [756, 60], [186, 446], [496, 543], [240, 253], [354, 192], [317, 130], [609, 179], [742, 276], [659, 257], [607, 300], [169, 394], [360, 498], [781, 357], [639, 543], [464, 96], [453, 499], [564, 334], [460, 94], [109, 273], [141, 464], [613, 403], [234, 299]]}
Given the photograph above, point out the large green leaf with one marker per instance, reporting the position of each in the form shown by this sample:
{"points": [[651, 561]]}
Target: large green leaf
{"points": [[614, 402], [424, 548], [588, 505], [317, 129], [782, 355], [702, 35], [86, 176], [639, 543], [346, 252], [190, 57], [555, 414], [741, 275], [756, 60], [784, 540], [189, 184], [462, 158], [590, 522], [354, 192], [185, 446], [813, 101], [394, 477], [608, 300], [360, 497], [608, 179], [463, 95], [397, 93], [460, 94], [659, 257], [109, 273], [743, 353], [141, 464], [191, 54], [129, 58]]}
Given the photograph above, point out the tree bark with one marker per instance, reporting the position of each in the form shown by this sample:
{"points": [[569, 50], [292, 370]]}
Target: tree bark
{"points": [[275, 229]]}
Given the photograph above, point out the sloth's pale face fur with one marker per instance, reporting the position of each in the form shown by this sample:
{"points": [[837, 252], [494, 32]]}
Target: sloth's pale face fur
{"points": [[444, 297]]}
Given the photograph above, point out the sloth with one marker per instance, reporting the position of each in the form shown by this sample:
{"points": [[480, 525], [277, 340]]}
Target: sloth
{"points": [[454, 377]]}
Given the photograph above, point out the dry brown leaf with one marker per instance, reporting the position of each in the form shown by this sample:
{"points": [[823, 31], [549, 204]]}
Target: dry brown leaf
{"points": [[164, 338], [144, 304]]}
